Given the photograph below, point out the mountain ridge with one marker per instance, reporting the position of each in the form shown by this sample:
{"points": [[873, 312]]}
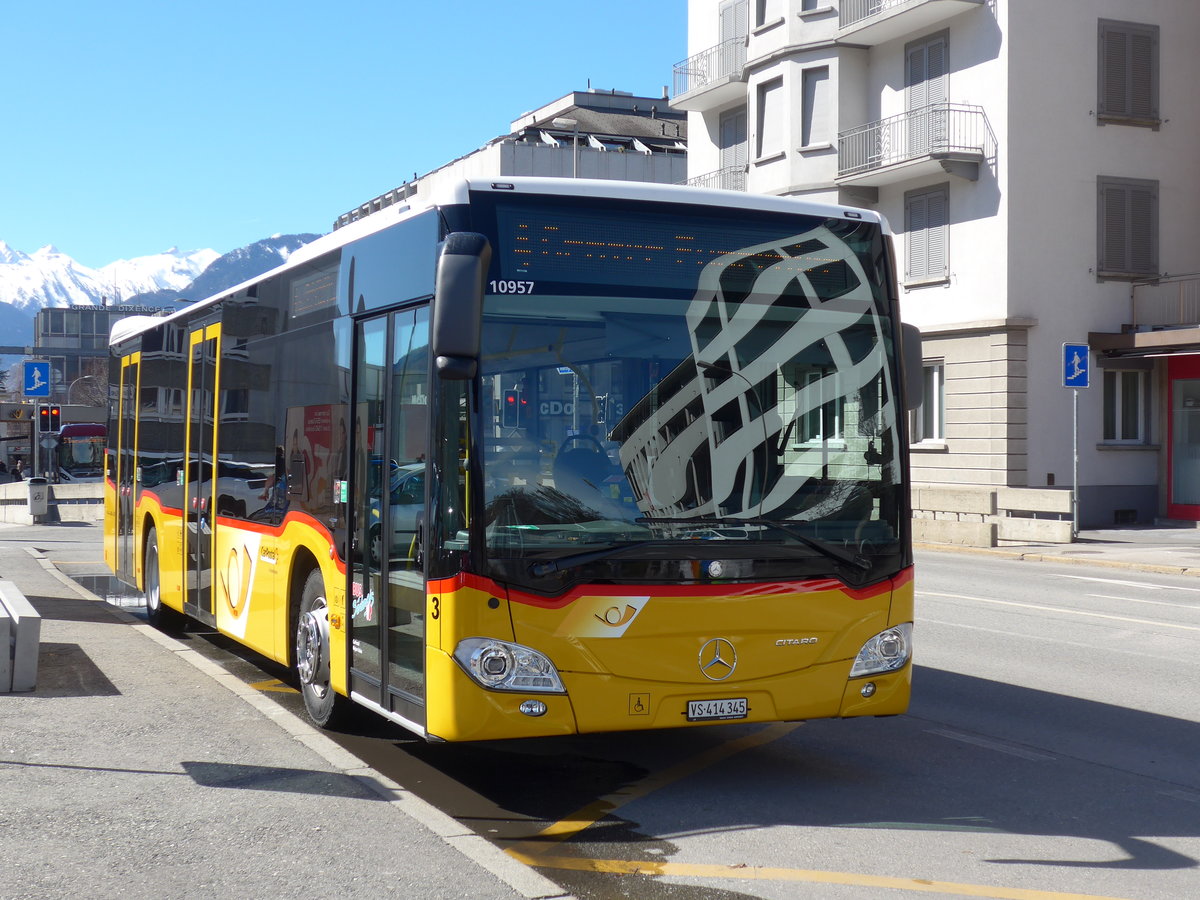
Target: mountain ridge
{"points": [[48, 278]]}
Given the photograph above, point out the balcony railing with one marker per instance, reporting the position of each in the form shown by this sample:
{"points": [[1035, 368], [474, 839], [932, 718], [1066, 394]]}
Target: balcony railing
{"points": [[851, 12], [874, 22], [1169, 303], [940, 130], [722, 61], [730, 178]]}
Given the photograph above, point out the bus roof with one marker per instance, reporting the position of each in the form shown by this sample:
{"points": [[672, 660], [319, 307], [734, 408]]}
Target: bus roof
{"points": [[459, 193]]}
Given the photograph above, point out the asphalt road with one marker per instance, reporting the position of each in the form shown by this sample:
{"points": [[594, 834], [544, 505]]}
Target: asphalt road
{"points": [[1050, 752]]}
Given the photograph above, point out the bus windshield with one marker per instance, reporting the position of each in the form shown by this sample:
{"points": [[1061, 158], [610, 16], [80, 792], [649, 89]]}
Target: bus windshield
{"points": [[678, 395], [79, 452]]}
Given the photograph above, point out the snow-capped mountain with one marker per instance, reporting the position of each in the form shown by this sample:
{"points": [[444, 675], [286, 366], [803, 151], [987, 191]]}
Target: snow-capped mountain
{"points": [[32, 281]]}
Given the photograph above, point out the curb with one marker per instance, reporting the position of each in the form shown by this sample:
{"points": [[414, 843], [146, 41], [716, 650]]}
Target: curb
{"points": [[523, 879]]}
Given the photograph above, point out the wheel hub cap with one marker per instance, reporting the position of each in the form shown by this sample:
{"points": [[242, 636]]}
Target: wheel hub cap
{"points": [[312, 639]]}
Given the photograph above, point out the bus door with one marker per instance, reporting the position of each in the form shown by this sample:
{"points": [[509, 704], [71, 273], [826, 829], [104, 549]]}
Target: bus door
{"points": [[387, 582], [125, 476], [199, 471]]}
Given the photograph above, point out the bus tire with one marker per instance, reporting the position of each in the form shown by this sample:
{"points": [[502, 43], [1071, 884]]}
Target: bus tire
{"points": [[158, 613], [325, 706]]}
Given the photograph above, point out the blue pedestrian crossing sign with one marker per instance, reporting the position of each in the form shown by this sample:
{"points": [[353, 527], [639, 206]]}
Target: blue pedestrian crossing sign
{"points": [[37, 379], [1076, 369]]}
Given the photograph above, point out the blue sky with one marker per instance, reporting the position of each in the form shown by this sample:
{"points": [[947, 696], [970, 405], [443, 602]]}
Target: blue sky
{"points": [[133, 126]]}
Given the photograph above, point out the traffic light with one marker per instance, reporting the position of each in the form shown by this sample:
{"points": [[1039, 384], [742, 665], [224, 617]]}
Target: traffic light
{"points": [[512, 410], [49, 418]]}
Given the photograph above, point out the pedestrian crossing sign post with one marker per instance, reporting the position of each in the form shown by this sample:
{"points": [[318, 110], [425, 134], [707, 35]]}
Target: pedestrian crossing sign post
{"points": [[1077, 371], [37, 378]]}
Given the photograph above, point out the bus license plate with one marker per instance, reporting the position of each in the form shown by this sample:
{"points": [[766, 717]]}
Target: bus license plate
{"points": [[698, 710]]}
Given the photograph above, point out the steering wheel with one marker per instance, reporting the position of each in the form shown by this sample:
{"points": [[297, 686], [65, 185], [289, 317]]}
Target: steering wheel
{"points": [[599, 447]]}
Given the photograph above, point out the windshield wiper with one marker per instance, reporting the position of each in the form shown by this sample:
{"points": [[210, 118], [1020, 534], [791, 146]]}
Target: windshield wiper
{"points": [[563, 563], [826, 549]]}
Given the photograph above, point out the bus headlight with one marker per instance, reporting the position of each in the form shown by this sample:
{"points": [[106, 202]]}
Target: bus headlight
{"points": [[502, 666], [887, 651]]}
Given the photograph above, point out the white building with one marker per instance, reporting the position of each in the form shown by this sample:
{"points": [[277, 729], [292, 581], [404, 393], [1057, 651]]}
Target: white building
{"points": [[611, 135], [1037, 161]]}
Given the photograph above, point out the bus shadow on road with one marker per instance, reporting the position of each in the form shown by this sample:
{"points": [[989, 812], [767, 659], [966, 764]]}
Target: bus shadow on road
{"points": [[995, 763], [975, 755]]}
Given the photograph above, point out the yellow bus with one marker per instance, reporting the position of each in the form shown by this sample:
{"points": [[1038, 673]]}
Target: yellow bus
{"points": [[543, 457]]}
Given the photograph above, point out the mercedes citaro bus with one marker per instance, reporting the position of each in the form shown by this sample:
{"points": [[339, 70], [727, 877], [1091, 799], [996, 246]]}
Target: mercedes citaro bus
{"points": [[544, 457]]}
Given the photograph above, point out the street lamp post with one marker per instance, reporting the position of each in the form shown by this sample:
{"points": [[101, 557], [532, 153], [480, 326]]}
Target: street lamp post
{"points": [[75, 382]]}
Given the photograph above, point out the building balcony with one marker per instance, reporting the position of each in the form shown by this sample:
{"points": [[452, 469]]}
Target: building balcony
{"points": [[872, 22], [711, 78], [730, 178], [942, 137]]}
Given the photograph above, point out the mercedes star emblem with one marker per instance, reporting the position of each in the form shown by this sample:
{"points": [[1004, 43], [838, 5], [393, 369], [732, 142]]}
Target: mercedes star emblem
{"points": [[718, 659]]}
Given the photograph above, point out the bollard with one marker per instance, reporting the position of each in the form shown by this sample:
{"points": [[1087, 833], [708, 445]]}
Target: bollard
{"points": [[20, 632]]}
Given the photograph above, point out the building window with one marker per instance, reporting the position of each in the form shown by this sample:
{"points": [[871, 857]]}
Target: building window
{"points": [[1127, 227], [1128, 74], [733, 139], [1126, 403], [770, 119], [824, 418], [925, 71], [926, 234], [814, 122], [927, 421], [767, 12], [733, 19]]}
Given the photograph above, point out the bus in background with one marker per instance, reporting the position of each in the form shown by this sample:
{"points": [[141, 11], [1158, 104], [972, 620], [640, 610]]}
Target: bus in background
{"points": [[549, 456], [79, 453]]}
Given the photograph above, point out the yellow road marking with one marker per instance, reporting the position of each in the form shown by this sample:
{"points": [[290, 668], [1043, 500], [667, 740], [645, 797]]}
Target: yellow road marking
{"points": [[598, 809], [536, 851], [812, 876], [273, 685]]}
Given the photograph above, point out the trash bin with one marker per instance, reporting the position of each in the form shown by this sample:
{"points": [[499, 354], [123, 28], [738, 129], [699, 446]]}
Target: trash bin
{"points": [[39, 496]]}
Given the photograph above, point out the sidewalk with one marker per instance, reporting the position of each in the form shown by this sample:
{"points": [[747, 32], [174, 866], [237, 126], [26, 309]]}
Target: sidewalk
{"points": [[139, 769], [1170, 549]]}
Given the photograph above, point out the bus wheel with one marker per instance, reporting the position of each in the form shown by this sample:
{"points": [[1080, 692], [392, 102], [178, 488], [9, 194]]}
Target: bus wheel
{"points": [[325, 706], [158, 614]]}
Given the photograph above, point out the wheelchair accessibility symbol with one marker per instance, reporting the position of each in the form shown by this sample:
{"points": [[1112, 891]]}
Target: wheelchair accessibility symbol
{"points": [[639, 704]]}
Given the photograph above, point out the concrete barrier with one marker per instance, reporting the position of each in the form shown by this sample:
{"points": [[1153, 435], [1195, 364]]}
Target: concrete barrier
{"points": [[977, 516], [20, 634], [65, 503]]}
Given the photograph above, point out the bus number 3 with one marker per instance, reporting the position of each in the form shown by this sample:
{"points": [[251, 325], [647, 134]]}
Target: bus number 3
{"points": [[437, 608], [511, 287]]}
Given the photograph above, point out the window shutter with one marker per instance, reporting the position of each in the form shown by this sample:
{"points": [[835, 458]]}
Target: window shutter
{"points": [[1114, 79], [1113, 229], [1143, 230], [927, 233], [1128, 226], [938, 224], [735, 19], [733, 139], [925, 72], [1128, 77], [916, 235], [1142, 68]]}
